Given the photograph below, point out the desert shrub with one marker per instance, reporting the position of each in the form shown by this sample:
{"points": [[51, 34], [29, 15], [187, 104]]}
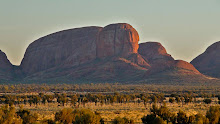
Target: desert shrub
{"points": [[84, 116], [200, 119], [47, 121], [207, 101], [124, 120], [148, 119], [27, 116], [182, 118], [213, 114], [159, 115], [65, 116], [171, 100], [8, 115], [152, 119]]}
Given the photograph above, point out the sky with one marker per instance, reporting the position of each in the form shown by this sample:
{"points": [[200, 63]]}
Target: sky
{"points": [[185, 28]]}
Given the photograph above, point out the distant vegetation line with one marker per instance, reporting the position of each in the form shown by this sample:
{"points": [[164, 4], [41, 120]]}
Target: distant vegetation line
{"points": [[109, 88]]}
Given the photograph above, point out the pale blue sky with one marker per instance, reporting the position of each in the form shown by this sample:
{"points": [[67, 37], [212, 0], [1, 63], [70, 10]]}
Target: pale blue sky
{"points": [[186, 28]]}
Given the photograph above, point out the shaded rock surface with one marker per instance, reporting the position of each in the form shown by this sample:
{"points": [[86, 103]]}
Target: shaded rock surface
{"points": [[209, 62], [5, 68]]}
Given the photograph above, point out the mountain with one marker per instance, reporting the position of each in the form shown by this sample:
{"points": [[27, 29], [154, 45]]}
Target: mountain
{"points": [[100, 54], [208, 62]]}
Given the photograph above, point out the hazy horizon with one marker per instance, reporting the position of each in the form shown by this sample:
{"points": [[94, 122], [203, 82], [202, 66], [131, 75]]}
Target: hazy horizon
{"points": [[185, 28]]}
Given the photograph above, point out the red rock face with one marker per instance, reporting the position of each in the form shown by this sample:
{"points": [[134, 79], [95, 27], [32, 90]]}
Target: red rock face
{"points": [[209, 61], [70, 47], [117, 39]]}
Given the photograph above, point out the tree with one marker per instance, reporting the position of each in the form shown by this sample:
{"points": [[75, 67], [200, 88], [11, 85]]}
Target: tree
{"points": [[36, 100], [84, 101], [74, 99]]}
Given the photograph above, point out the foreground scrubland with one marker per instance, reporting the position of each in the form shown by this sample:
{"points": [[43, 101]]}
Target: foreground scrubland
{"points": [[109, 103]]}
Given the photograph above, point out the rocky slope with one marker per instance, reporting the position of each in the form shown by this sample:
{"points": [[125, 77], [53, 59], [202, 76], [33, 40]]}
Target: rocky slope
{"points": [[209, 62], [6, 68]]}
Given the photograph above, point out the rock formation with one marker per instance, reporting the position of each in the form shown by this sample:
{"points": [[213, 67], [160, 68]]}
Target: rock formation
{"points": [[156, 55], [111, 53], [75, 47], [114, 48], [209, 62]]}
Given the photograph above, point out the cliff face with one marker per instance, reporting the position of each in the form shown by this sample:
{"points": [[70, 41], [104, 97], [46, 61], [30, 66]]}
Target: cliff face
{"points": [[209, 62]]}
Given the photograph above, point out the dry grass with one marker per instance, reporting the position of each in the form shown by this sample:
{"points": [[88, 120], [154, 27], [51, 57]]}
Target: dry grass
{"points": [[130, 110]]}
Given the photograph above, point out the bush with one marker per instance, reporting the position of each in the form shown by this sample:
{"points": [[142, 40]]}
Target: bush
{"points": [[124, 120], [84, 116], [207, 101], [213, 114], [152, 119], [182, 118], [200, 119], [8, 115], [26, 116], [171, 100]]}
